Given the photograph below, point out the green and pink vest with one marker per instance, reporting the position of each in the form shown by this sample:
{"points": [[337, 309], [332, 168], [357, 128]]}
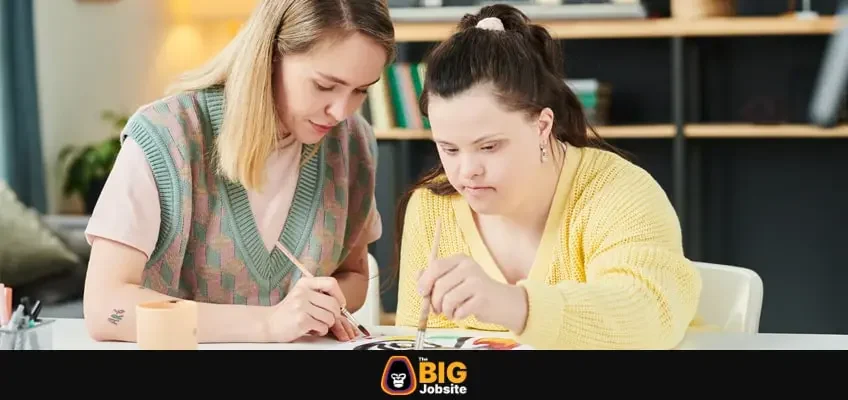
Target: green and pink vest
{"points": [[209, 248]]}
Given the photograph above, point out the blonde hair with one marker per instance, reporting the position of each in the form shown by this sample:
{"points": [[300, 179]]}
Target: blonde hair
{"points": [[245, 67]]}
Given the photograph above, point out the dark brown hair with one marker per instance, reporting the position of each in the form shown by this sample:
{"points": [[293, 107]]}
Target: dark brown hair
{"points": [[525, 66]]}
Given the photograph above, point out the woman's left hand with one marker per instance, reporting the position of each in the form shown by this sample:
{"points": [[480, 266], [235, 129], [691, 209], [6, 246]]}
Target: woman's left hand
{"points": [[459, 288]]}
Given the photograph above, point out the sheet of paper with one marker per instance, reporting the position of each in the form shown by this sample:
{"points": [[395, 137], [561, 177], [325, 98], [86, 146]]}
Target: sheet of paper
{"points": [[434, 342]]}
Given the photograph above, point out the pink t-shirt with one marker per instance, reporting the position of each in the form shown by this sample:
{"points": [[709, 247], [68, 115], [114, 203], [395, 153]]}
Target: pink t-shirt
{"points": [[128, 210]]}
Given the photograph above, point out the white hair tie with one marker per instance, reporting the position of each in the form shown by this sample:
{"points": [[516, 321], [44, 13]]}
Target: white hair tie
{"points": [[491, 23]]}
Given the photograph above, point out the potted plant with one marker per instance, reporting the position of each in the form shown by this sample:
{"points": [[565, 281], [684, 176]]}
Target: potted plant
{"points": [[87, 167]]}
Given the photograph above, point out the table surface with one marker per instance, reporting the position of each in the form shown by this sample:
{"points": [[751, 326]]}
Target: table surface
{"points": [[71, 334]]}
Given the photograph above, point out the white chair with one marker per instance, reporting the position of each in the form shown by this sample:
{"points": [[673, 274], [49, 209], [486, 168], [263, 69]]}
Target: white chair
{"points": [[731, 297], [369, 313]]}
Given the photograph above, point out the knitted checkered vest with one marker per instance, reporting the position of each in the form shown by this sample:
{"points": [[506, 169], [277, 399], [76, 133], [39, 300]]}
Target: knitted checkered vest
{"points": [[209, 248]]}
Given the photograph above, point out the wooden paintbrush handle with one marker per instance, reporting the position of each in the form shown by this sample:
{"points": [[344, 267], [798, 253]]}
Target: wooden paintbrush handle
{"points": [[425, 313]]}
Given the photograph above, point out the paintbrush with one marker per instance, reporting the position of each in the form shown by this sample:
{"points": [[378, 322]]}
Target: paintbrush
{"points": [[425, 301], [308, 274]]}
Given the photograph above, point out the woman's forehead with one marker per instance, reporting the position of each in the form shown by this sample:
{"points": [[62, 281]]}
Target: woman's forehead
{"points": [[355, 59], [471, 115]]}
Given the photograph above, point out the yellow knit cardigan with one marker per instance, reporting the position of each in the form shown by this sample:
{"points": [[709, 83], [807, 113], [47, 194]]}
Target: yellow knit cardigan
{"points": [[610, 272]]}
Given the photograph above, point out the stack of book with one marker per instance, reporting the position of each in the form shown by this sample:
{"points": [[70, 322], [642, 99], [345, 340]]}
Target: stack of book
{"points": [[392, 102], [595, 98]]}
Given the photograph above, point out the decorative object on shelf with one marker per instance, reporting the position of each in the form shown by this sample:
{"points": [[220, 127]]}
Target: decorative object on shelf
{"points": [[697, 9], [87, 167], [535, 11], [807, 11], [829, 104]]}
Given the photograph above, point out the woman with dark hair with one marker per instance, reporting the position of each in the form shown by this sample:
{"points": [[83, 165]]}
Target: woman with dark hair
{"points": [[545, 231]]}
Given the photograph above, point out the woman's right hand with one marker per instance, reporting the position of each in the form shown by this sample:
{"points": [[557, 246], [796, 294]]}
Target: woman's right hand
{"points": [[312, 307]]}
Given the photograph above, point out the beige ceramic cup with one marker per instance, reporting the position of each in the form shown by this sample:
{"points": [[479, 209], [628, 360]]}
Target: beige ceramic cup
{"points": [[167, 325]]}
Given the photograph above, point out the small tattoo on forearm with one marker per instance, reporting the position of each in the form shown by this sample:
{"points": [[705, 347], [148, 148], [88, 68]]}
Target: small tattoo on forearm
{"points": [[117, 316]]}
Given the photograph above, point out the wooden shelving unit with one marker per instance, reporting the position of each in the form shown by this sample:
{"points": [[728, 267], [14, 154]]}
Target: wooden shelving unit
{"points": [[656, 28], [610, 132], [234, 10], [741, 131], [644, 28], [661, 131]]}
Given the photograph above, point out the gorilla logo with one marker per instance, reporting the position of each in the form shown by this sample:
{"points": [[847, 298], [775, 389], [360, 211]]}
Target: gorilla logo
{"points": [[399, 377], [397, 380]]}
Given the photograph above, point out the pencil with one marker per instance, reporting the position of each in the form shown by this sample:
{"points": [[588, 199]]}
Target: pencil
{"points": [[425, 301], [308, 274]]}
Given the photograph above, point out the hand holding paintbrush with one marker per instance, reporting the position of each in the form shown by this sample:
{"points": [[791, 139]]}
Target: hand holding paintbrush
{"points": [[425, 301], [308, 274]]}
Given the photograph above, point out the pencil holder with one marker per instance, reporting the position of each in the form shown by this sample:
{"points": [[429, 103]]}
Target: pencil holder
{"points": [[38, 337]]}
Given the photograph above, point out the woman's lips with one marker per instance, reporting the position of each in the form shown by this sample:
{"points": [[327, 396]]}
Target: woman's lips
{"points": [[478, 190], [322, 129]]}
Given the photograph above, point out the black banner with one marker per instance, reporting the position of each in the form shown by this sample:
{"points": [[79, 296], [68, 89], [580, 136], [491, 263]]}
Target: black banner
{"points": [[429, 374]]}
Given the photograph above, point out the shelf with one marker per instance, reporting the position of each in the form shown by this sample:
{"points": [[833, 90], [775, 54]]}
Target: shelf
{"points": [[413, 25], [403, 134], [644, 28], [694, 131], [582, 11], [761, 131], [635, 131], [606, 132], [760, 26]]}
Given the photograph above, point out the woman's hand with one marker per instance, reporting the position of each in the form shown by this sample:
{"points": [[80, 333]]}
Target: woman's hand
{"points": [[312, 307], [459, 288], [343, 330]]}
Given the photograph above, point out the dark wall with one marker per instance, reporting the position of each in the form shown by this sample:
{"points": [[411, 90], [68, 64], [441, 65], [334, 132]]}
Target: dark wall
{"points": [[771, 205]]}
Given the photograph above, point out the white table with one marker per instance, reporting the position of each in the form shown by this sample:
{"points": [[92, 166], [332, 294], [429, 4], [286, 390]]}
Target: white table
{"points": [[70, 334], [764, 341]]}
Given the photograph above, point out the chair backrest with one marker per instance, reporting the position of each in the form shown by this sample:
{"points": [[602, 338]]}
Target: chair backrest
{"points": [[731, 298], [369, 313]]}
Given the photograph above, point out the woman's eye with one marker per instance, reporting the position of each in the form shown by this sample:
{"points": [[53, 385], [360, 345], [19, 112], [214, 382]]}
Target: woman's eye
{"points": [[449, 151], [323, 88], [490, 147]]}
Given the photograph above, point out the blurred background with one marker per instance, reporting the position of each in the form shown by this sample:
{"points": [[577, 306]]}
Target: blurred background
{"points": [[710, 96]]}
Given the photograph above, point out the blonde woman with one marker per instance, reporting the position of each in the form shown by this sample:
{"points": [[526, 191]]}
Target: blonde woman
{"points": [[262, 145]]}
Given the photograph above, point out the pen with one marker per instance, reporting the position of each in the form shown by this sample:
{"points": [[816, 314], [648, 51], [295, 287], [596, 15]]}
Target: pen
{"points": [[31, 334], [27, 305], [35, 310], [15, 319], [11, 328]]}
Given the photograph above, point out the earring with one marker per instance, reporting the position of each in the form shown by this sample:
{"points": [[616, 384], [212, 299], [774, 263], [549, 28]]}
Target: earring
{"points": [[544, 150]]}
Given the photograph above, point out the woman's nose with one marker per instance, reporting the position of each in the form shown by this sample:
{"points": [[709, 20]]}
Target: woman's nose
{"points": [[470, 167], [341, 108]]}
